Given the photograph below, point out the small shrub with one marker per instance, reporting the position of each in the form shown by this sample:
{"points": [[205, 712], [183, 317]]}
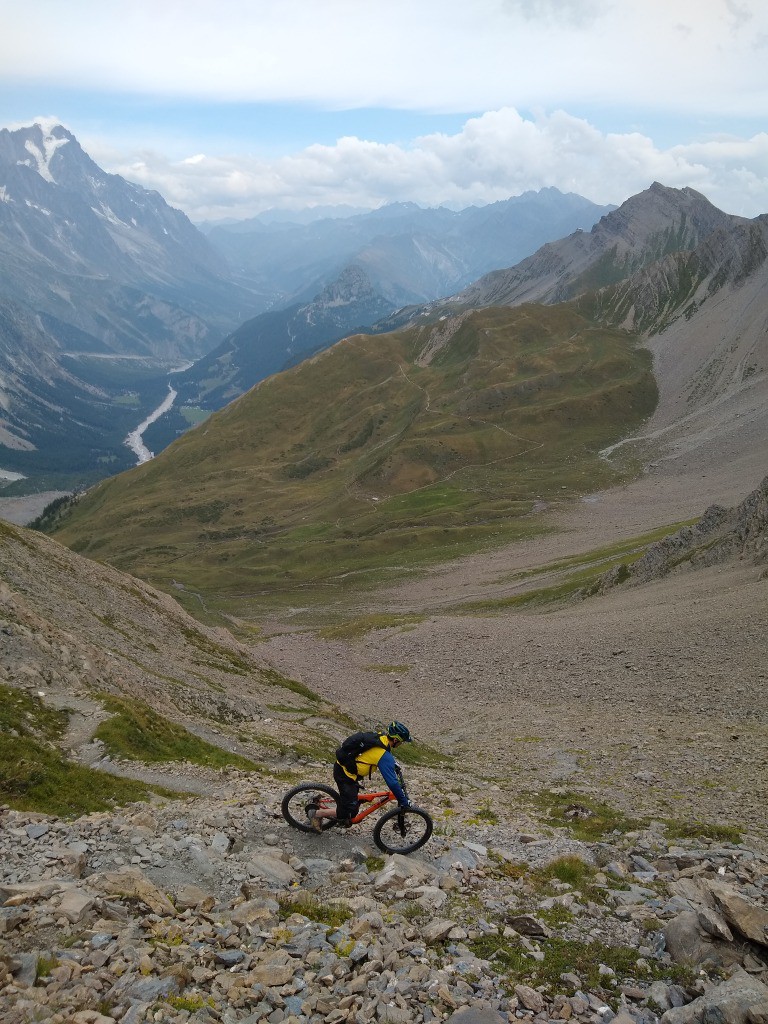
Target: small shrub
{"points": [[190, 1003], [45, 964]]}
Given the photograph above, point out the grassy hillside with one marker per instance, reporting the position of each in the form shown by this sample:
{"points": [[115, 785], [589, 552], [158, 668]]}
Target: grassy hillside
{"points": [[380, 454]]}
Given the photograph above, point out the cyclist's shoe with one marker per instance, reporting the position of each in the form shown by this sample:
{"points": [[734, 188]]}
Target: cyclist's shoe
{"points": [[315, 823], [343, 822]]}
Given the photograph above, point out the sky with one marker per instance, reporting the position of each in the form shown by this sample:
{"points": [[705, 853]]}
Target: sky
{"points": [[232, 107]]}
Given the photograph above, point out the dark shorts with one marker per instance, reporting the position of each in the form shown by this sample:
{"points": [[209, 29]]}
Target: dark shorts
{"points": [[348, 803]]}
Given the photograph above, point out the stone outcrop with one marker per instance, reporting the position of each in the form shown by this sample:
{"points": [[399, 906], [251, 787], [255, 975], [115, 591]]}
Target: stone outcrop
{"points": [[720, 535]]}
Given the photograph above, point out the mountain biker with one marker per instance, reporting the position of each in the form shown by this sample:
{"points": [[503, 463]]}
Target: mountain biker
{"points": [[376, 752]]}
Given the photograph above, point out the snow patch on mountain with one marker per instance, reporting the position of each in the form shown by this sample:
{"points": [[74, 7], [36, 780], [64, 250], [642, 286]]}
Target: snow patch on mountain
{"points": [[43, 156]]}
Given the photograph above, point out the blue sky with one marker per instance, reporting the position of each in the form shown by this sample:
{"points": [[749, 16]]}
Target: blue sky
{"points": [[235, 106]]}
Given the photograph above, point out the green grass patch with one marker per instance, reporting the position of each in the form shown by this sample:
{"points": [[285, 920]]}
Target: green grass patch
{"points": [[587, 819], [137, 733], [484, 815], [332, 914], [274, 678], [608, 553], [287, 709], [45, 964], [586, 581], [703, 830], [35, 775], [190, 1003], [421, 755], [27, 715], [572, 870], [590, 820], [564, 955]]}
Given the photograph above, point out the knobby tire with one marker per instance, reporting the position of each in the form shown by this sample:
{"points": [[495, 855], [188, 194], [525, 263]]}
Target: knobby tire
{"points": [[417, 825]]}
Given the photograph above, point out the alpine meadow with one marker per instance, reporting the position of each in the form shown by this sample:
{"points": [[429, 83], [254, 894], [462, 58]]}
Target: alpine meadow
{"points": [[383, 454]]}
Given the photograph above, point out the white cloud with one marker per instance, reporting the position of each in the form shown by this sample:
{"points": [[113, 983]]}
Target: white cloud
{"points": [[495, 155], [446, 55], [636, 65]]}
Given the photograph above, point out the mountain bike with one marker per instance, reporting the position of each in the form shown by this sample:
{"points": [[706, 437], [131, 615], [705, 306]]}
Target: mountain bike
{"points": [[400, 830]]}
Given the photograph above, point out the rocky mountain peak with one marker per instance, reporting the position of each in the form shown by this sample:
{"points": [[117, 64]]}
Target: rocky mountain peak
{"points": [[684, 216], [352, 285], [645, 228]]}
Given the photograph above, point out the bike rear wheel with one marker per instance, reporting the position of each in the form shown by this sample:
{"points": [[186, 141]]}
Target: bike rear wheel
{"points": [[298, 802], [402, 830]]}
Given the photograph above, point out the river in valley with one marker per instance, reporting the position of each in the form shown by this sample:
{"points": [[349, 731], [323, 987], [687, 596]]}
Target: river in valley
{"points": [[134, 441]]}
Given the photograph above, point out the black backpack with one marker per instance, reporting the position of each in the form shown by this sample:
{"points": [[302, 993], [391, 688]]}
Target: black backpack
{"points": [[354, 745]]}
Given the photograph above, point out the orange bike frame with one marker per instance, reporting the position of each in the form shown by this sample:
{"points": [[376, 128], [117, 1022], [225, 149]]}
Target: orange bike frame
{"points": [[374, 800]]}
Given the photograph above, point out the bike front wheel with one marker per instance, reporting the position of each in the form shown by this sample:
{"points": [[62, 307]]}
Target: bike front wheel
{"points": [[402, 830], [299, 801]]}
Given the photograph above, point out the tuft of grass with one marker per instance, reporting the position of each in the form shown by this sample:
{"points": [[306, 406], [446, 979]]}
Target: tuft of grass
{"points": [[330, 914], [703, 830], [484, 815], [137, 733], [45, 964], [190, 1003], [570, 869]]}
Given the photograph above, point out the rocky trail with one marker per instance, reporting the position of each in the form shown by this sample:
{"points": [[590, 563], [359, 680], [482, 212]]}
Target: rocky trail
{"points": [[212, 909]]}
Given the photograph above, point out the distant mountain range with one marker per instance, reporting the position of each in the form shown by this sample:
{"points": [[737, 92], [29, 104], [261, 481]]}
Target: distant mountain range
{"points": [[408, 253], [91, 251], [104, 288]]}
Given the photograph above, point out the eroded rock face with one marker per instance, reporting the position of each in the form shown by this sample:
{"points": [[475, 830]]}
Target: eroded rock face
{"points": [[720, 535]]}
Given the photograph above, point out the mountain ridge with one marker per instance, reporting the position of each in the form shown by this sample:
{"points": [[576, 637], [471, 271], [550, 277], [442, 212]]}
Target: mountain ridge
{"points": [[467, 242], [642, 230]]}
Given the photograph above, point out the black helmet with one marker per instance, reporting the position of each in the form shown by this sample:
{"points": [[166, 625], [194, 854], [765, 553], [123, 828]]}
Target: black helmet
{"points": [[397, 731]]}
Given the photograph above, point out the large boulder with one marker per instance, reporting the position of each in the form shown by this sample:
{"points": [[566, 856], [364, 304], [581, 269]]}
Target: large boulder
{"points": [[729, 1003], [133, 883], [746, 917]]}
